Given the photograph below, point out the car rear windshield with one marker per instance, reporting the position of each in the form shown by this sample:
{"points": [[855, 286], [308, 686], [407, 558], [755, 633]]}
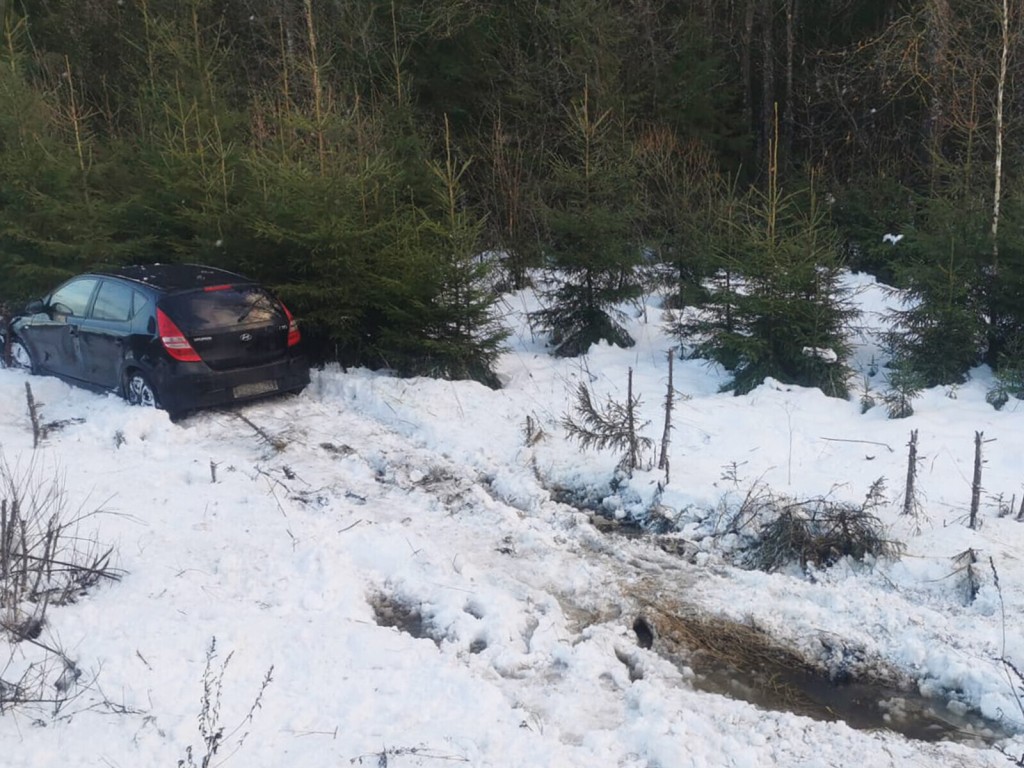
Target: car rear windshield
{"points": [[220, 307]]}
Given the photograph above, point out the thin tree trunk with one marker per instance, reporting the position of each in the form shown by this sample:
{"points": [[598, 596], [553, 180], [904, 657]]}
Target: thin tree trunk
{"points": [[33, 415], [976, 482], [634, 448], [993, 277], [5, 348], [788, 120], [667, 432], [75, 116], [768, 98], [318, 100], [908, 494], [939, 20], [1000, 95], [5, 549], [746, 68]]}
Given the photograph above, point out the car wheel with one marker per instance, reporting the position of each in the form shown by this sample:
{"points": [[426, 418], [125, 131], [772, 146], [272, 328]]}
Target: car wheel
{"points": [[139, 391], [21, 357]]}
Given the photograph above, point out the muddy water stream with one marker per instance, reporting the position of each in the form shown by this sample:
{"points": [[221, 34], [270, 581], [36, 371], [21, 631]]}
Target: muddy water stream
{"points": [[733, 660], [743, 663], [864, 706]]}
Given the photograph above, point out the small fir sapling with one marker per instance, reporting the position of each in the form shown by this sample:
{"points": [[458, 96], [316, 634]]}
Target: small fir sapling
{"points": [[613, 425]]}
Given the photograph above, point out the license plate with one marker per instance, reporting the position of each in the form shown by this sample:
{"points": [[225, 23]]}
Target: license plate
{"points": [[254, 389]]}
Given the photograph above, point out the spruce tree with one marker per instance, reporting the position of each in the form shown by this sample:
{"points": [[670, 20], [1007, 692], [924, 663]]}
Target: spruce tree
{"points": [[1009, 376], [55, 210], [939, 330], [442, 321], [327, 243], [905, 384], [615, 425], [593, 250], [679, 190], [1002, 288], [777, 307], [189, 150]]}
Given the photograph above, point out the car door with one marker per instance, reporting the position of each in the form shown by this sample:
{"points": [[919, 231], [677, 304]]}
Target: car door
{"points": [[53, 336], [103, 335]]}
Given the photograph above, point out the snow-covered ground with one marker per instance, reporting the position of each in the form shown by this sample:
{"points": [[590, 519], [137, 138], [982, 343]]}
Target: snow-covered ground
{"points": [[296, 535]]}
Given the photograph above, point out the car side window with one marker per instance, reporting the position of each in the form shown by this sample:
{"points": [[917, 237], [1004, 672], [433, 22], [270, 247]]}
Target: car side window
{"points": [[113, 302], [139, 302], [73, 298]]}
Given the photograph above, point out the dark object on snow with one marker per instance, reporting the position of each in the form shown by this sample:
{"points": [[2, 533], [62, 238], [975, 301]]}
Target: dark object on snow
{"points": [[171, 336], [644, 633]]}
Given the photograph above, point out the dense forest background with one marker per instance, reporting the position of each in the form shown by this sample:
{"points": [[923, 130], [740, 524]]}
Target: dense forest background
{"points": [[391, 166]]}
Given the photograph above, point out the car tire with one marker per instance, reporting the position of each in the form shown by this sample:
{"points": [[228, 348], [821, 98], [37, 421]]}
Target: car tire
{"points": [[21, 356], [139, 390]]}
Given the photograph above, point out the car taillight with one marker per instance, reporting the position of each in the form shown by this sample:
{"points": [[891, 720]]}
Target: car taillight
{"points": [[174, 340], [293, 328]]}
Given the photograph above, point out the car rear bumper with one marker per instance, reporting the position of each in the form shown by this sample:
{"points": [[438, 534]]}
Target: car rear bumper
{"points": [[188, 386]]}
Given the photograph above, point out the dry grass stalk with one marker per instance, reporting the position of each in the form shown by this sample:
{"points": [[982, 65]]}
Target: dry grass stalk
{"points": [[44, 559]]}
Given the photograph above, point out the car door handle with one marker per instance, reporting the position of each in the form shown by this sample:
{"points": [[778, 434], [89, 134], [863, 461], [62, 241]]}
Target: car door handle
{"points": [[73, 330]]}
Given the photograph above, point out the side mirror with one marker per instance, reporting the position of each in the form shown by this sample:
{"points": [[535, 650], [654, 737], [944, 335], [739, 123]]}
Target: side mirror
{"points": [[35, 307]]}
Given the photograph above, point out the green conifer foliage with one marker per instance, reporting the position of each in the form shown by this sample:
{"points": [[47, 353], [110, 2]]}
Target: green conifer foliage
{"points": [[190, 139], [1009, 377], [939, 332], [325, 241], [1003, 286], [905, 384], [441, 320], [293, 139], [593, 247], [54, 219], [777, 307], [866, 210], [679, 190]]}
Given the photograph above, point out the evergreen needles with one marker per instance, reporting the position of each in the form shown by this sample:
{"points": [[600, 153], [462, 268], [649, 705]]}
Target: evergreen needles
{"points": [[609, 426]]}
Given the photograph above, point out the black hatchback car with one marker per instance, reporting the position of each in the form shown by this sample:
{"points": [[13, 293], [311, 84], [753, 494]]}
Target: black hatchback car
{"points": [[174, 336]]}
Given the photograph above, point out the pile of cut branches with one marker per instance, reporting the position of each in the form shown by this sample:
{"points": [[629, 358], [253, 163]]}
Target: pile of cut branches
{"points": [[820, 533]]}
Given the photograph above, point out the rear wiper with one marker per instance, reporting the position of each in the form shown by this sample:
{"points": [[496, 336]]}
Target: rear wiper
{"points": [[260, 298]]}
